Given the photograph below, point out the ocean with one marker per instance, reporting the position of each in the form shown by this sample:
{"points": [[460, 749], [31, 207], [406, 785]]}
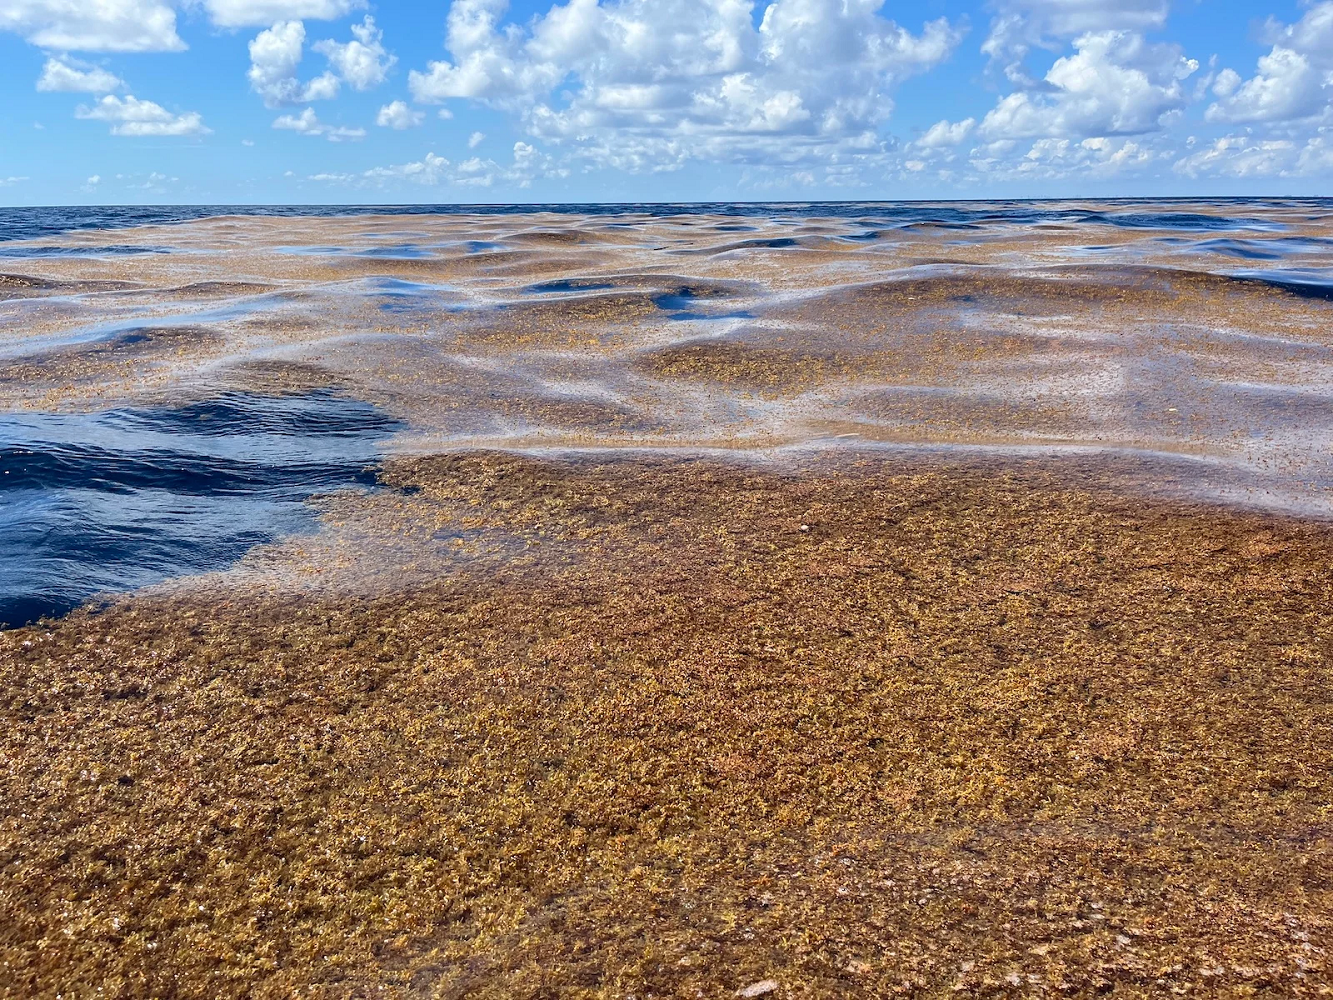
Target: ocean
{"points": [[179, 385]]}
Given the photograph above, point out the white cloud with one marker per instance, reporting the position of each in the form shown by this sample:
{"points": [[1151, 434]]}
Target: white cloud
{"points": [[1063, 19], [275, 53], [1021, 25], [1105, 106], [651, 84], [1239, 156], [945, 133], [475, 139], [322, 88], [93, 25], [308, 123], [398, 115], [6, 181], [94, 180], [1114, 84], [362, 62], [131, 116], [1057, 158], [154, 182], [1294, 78], [1316, 157], [253, 13], [1247, 156], [1287, 86], [1226, 83], [70, 76], [431, 170]]}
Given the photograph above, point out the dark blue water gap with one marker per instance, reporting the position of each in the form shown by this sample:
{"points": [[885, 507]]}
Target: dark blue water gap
{"points": [[110, 501], [1164, 213]]}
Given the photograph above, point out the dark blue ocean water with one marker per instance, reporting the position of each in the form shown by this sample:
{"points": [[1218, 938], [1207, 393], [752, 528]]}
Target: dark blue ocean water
{"points": [[123, 498], [1166, 213]]}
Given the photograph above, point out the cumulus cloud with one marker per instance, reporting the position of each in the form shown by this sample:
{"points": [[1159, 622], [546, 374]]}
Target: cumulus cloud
{"points": [[1226, 83], [131, 116], [73, 77], [1054, 159], [1316, 157], [253, 13], [527, 165], [651, 84], [475, 139], [429, 171], [1294, 79], [6, 181], [1114, 84], [1248, 156], [308, 123], [944, 134], [362, 62], [398, 115], [100, 26], [1239, 156], [1105, 106], [1022, 25], [275, 54], [1045, 19], [154, 181]]}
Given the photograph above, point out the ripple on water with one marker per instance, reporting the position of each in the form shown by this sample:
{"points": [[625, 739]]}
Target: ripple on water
{"points": [[1244, 249], [398, 295], [569, 286], [1185, 221], [92, 250], [688, 304], [1307, 284], [119, 499], [37, 223]]}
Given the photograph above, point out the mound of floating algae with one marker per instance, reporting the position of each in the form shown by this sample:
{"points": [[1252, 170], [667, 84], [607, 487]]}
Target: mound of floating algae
{"points": [[866, 728]]}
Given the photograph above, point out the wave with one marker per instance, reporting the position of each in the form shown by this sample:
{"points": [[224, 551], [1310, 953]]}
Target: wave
{"points": [[123, 498]]}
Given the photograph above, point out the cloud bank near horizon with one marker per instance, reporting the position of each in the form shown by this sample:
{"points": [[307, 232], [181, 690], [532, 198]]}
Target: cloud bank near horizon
{"points": [[787, 92]]}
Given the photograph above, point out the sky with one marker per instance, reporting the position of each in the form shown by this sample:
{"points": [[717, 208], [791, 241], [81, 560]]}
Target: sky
{"points": [[489, 101]]}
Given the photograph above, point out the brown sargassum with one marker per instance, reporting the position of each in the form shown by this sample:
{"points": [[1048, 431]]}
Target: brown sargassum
{"points": [[864, 728]]}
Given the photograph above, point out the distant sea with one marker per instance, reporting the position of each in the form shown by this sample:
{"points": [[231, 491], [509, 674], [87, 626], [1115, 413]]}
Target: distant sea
{"points": [[135, 487], [1167, 213]]}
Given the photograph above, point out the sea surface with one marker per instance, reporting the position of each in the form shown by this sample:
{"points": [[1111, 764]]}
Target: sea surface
{"points": [[1221, 214], [182, 385]]}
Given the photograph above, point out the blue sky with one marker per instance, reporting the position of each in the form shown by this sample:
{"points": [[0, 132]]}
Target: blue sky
{"points": [[337, 101]]}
